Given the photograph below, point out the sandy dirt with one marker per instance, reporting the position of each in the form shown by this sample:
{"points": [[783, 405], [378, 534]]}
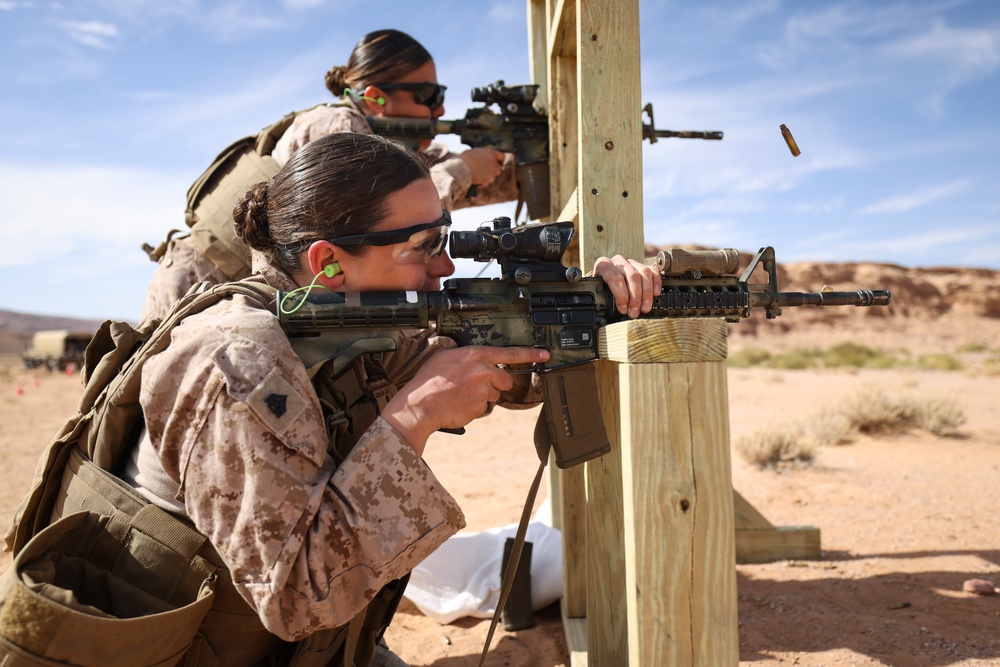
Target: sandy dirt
{"points": [[905, 519]]}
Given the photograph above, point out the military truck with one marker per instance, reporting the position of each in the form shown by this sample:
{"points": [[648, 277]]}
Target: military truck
{"points": [[56, 349]]}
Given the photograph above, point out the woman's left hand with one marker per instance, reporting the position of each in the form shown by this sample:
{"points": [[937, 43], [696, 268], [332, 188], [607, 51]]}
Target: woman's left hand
{"points": [[632, 283]]}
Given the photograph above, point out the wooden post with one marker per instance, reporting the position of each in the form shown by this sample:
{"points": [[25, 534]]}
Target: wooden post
{"points": [[649, 531]]}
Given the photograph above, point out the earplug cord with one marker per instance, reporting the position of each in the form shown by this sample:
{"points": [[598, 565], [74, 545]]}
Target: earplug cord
{"points": [[312, 285]]}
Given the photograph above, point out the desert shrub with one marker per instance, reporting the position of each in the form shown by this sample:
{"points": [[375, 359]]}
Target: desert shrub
{"points": [[772, 447], [857, 356], [938, 362], [873, 411], [748, 357], [831, 427], [973, 348], [990, 367], [795, 360], [940, 416]]}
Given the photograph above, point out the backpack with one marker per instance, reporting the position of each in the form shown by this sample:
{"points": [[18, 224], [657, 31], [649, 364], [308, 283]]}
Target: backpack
{"points": [[212, 197], [123, 570], [163, 583]]}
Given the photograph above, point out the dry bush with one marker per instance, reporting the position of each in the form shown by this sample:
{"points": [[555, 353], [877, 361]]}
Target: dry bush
{"points": [[938, 362], [772, 447], [795, 360], [940, 416], [857, 356], [831, 427], [873, 411], [990, 368], [748, 357]]}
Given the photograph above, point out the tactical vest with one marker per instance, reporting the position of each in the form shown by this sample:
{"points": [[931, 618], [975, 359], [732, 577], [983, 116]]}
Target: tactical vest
{"points": [[94, 559], [212, 197]]}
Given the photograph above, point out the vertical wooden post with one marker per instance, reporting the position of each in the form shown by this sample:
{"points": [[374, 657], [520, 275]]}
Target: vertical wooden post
{"points": [[609, 200], [657, 540]]}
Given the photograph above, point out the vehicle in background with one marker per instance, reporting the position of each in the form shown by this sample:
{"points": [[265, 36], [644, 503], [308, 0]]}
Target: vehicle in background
{"points": [[56, 349]]}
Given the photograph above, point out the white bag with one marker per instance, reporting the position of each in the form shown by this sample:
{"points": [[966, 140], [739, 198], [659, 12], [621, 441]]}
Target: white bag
{"points": [[462, 577]]}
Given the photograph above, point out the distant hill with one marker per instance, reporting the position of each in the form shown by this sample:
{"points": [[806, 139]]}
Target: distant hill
{"points": [[16, 328]]}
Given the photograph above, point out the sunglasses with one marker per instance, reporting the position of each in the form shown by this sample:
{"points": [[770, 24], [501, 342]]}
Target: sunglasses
{"points": [[431, 95], [419, 244]]}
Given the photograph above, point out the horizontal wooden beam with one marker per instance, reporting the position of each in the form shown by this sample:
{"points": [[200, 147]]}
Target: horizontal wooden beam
{"points": [[663, 340], [780, 543]]}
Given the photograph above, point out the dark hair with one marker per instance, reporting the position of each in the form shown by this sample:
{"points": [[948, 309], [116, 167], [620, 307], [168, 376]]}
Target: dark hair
{"points": [[333, 186], [379, 57]]}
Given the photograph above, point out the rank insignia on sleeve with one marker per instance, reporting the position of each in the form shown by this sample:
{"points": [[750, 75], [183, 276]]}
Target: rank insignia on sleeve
{"points": [[277, 403]]}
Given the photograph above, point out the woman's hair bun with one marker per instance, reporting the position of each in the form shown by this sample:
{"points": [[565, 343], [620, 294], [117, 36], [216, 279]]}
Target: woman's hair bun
{"points": [[336, 80], [250, 218]]}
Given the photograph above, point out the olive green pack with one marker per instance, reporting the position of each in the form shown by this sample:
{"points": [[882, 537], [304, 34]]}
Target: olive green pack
{"points": [[211, 198], [103, 578]]}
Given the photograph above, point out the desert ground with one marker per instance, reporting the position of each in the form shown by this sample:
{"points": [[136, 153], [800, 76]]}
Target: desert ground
{"points": [[907, 517]]}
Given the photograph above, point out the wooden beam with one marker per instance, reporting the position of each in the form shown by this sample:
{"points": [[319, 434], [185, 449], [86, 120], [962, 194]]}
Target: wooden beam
{"points": [[646, 341], [747, 516], [568, 486], [576, 640], [538, 61], [784, 543], [760, 541], [680, 563]]}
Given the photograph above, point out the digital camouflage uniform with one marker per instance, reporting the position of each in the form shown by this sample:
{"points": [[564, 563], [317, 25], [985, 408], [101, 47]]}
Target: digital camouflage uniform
{"points": [[240, 440], [184, 265]]}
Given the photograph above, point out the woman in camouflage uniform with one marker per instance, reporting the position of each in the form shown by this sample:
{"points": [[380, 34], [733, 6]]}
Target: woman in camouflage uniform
{"points": [[388, 73], [313, 491]]}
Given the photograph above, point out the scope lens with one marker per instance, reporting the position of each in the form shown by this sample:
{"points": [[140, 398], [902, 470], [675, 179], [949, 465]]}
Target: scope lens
{"points": [[467, 244]]}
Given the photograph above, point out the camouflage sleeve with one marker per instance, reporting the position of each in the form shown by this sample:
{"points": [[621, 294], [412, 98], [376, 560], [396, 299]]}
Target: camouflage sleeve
{"points": [[182, 266], [453, 179], [315, 123], [238, 424]]}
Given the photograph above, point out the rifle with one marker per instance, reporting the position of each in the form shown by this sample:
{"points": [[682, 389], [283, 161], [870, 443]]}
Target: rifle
{"points": [[541, 303], [518, 128]]}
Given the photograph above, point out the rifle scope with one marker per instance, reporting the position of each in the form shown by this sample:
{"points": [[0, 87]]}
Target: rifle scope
{"points": [[498, 93], [545, 243]]}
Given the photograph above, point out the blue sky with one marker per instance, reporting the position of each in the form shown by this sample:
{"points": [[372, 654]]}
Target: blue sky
{"points": [[112, 108]]}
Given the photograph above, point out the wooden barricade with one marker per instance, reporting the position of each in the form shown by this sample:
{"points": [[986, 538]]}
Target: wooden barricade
{"points": [[650, 531]]}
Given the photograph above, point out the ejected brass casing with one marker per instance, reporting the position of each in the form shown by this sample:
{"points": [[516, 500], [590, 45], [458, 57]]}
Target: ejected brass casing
{"points": [[790, 140]]}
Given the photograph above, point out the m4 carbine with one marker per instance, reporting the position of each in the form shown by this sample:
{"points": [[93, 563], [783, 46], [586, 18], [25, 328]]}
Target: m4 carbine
{"points": [[517, 128], [539, 302]]}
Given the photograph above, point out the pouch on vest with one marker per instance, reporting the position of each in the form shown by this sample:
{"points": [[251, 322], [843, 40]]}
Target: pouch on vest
{"points": [[211, 198], [85, 592], [91, 446]]}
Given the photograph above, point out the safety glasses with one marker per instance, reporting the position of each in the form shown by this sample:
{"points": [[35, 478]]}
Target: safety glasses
{"points": [[419, 244], [431, 95]]}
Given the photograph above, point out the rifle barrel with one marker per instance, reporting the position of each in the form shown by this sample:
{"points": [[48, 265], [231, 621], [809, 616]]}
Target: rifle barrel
{"points": [[861, 297], [414, 128], [689, 134]]}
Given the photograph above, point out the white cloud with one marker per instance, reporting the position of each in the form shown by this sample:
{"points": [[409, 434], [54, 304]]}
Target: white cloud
{"points": [[969, 53], [930, 243], [917, 199], [96, 34], [296, 5], [507, 12], [53, 210]]}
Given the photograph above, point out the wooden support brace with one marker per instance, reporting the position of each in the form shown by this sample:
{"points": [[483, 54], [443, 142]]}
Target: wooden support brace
{"points": [[760, 541]]}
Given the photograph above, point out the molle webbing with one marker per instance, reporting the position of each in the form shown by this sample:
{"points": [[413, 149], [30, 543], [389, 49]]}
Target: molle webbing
{"points": [[232, 631], [211, 199]]}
